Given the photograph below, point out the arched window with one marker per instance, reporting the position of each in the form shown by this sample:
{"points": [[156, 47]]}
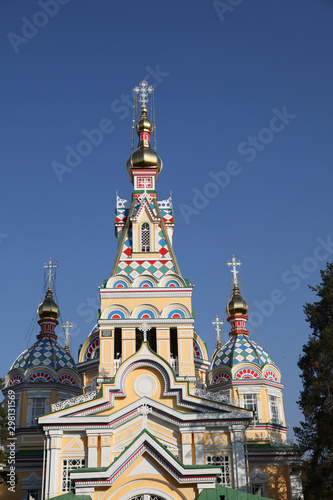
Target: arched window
{"points": [[145, 237]]}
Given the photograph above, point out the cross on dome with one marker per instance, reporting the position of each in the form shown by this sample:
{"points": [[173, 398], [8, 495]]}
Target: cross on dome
{"points": [[217, 324], [233, 269], [49, 266], [143, 89], [66, 327], [145, 329]]}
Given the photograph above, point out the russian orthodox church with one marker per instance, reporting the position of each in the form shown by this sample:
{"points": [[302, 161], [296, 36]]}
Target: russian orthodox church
{"points": [[145, 414]]}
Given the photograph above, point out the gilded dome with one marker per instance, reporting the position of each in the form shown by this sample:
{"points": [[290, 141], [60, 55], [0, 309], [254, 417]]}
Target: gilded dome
{"points": [[144, 125], [237, 305], [144, 156], [48, 308]]}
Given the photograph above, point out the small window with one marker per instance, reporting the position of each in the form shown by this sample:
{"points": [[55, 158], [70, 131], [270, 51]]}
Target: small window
{"points": [[145, 237], [274, 409], [224, 477], [68, 465], [258, 489], [250, 403], [38, 409]]}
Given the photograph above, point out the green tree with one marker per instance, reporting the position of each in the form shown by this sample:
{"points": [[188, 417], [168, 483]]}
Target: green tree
{"points": [[315, 434]]}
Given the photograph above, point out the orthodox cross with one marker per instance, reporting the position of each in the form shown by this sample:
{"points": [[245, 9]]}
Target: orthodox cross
{"points": [[233, 265], [145, 329], [217, 324], [49, 273], [66, 327], [143, 89]]}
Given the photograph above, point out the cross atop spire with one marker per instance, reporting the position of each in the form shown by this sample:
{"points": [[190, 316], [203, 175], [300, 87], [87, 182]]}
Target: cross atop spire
{"points": [[233, 269], [49, 266], [144, 328], [143, 89], [66, 327], [218, 330]]}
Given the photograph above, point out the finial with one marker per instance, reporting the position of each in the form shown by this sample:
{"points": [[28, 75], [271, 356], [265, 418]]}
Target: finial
{"points": [[143, 89], [49, 266], [217, 324], [145, 329], [65, 327], [233, 265]]}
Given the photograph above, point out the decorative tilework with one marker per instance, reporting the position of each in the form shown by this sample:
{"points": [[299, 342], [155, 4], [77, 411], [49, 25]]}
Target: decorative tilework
{"points": [[45, 352], [241, 349], [197, 350], [135, 268]]}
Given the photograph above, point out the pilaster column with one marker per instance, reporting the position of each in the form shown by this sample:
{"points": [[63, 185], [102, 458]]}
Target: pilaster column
{"points": [[92, 436], [186, 438], [106, 448], [53, 463], [237, 433], [199, 446]]}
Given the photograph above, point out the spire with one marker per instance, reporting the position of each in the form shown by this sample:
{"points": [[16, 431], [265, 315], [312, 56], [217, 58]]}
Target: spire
{"points": [[65, 328], [48, 311], [218, 330], [237, 307], [144, 159]]}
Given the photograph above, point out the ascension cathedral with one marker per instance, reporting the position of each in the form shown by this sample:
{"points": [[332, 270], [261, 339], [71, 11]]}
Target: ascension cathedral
{"points": [[145, 413]]}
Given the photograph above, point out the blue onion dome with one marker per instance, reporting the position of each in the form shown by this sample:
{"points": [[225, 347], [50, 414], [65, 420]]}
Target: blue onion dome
{"points": [[46, 352], [241, 349]]}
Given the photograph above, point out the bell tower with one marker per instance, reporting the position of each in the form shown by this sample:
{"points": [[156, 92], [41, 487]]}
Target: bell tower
{"points": [[146, 300]]}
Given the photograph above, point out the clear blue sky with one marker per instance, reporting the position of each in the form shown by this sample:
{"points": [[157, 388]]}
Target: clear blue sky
{"points": [[223, 78]]}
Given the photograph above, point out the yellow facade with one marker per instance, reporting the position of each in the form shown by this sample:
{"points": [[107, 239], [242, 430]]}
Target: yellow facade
{"points": [[156, 416]]}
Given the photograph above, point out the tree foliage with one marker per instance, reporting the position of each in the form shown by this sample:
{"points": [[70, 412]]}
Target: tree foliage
{"points": [[315, 434]]}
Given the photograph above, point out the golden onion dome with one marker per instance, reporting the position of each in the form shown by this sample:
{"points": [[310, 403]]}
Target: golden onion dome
{"points": [[237, 305], [48, 308], [144, 156], [144, 124]]}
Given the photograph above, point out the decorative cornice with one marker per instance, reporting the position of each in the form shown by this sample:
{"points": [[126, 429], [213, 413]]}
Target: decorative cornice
{"points": [[153, 292], [151, 321]]}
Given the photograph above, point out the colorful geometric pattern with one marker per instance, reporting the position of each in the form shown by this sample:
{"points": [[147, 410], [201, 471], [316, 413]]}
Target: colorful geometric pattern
{"points": [[145, 284], [120, 284], [40, 376], [221, 377], [176, 313], [67, 379], [91, 348], [246, 373], [134, 268], [172, 284], [146, 313], [44, 352], [197, 350], [127, 248], [16, 379], [270, 375], [162, 246], [167, 215], [121, 215], [241, 349], [116, 314]]}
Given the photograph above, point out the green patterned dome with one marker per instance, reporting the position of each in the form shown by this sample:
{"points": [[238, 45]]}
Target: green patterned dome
{"points": [[45, 352], [241, 349]]}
